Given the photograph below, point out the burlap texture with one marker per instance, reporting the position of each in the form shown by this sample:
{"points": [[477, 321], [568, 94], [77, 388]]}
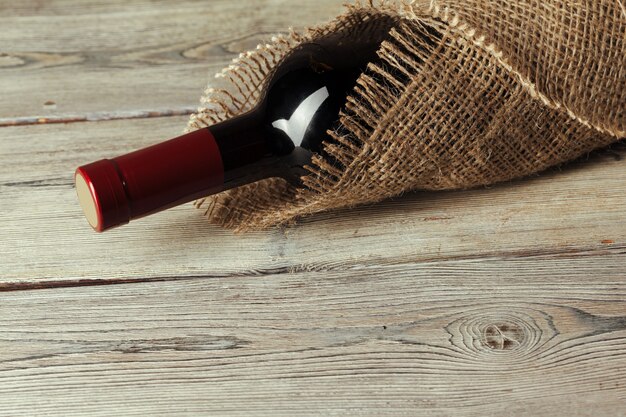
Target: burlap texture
{"points": [[467, 93]]}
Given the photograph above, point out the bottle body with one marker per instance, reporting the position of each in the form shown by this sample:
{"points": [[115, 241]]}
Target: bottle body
{"points": [[302, 99]]}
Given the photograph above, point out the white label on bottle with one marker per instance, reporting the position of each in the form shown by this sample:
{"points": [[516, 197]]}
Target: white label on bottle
{"points": [[300, 120]]}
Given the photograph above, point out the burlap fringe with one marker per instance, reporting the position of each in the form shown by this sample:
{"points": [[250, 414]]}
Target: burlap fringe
{"points": [[466, 93]]}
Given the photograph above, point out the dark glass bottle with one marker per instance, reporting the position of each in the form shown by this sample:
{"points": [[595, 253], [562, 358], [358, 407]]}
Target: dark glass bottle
{"points": [[302, 100]]}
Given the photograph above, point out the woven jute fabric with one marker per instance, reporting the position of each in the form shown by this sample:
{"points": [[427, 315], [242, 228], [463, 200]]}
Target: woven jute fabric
{"points": [[465, 93]]}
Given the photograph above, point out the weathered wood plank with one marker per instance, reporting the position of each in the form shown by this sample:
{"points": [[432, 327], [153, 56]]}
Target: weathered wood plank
{"points": [[535, 336], [128, 56], [579, 209], [509, 300]]}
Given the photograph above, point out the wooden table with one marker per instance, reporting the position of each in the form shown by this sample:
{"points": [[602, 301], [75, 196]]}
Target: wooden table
{"points": [[509, 300]]}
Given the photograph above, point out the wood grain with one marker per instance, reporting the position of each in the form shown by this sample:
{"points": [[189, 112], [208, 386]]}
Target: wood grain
{"points": [[127, 56], [507, 301], [514, 337]]}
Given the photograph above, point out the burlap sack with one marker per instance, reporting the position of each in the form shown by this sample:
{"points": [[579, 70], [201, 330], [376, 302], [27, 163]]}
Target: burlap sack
{"points": [[467, 93]]}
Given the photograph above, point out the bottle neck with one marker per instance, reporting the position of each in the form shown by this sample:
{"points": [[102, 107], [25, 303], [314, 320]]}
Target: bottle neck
{"points": [[250, 151]]}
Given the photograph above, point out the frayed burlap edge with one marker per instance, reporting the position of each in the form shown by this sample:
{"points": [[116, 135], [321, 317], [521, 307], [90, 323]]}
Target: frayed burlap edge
{"points": [[391, 139]]}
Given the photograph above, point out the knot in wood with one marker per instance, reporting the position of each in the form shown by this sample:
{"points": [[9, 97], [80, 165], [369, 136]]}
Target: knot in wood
{"points": [[503, 335], [497, 333]]}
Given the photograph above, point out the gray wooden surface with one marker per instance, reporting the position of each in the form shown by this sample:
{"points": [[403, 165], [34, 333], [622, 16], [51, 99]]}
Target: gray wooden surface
{"points": [[509, 300]]}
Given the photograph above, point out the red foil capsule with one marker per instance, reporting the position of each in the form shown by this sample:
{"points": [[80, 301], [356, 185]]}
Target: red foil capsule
{"points": [[114, 191]]}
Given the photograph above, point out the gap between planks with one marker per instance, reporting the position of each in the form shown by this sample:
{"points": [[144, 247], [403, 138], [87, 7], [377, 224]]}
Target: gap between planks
{"points": [[566, 253], [96, 117]]}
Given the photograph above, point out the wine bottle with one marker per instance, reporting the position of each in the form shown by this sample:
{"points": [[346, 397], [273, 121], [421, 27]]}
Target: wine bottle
{"points": [[301, 100]]}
